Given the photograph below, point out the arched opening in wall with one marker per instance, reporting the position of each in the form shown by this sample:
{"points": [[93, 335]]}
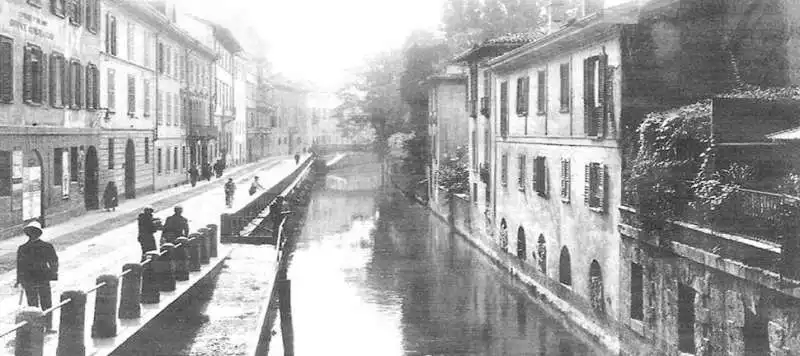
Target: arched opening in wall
{"points": [[755, 331], [92, 178], [504, 234], [564, 267], [130, 170], [522, 249], [541, 248], [33, 206], [596, 287]]}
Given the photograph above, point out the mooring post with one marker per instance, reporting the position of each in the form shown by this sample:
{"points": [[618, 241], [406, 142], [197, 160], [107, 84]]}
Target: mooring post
{"points": [[150, 289], [285, 306], [225, 228], [131, 292], [166, 268], [105, 307], [29, 339], [213, 241], [194, 253], [180, 259], [204, 258], [71, 334]]}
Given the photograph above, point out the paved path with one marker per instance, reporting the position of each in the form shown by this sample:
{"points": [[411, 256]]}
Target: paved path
{"points": [[106, 252]]}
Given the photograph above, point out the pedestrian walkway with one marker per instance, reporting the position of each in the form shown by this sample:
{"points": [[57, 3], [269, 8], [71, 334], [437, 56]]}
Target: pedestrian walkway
{"points": [[106, 252]]}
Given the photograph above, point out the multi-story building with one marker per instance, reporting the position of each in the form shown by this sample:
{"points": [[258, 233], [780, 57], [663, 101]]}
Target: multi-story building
{"points": [[259, 127], [226, 47], [51, 155], [290, 100], [238, 128]]}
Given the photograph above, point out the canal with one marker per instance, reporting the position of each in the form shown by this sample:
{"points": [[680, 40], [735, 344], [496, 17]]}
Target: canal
{"points": [[374, 274]]}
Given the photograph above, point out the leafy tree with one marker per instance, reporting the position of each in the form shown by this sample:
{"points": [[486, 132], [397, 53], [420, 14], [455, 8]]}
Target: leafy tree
{"points": [[454, 173]]}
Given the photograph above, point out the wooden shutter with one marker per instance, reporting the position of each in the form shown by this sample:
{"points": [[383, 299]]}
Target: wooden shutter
{"points": [[605, 95], [113, 35], [43, 76], [535, 174], [146, 93], [541, 166], [78, 85], [108, 32], [54, 79], [519, 95], [565, 179], [602, 200], [96, 88], [6, 70], [131, 95], [160, 59], [27, 75], [111, 100], [526, 97], [588, 96], [587, 187]]}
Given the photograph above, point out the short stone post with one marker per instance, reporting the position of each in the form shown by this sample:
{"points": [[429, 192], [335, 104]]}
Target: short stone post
{"points": [[29, 339], [180, 259], [150, 290], [204, 258], [105, 307], [131, 292], [214, 242], [225, 228], [166, 269], [71, 334], [194, 253]]}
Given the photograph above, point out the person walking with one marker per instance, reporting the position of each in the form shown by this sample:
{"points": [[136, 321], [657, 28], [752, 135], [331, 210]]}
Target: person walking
{"points": [[193, 173], [255, 186], [110, 197], [148, 225], [37, 265], [175, 226], [296, 158], [230, 189], [277, 212], [207, 171]]}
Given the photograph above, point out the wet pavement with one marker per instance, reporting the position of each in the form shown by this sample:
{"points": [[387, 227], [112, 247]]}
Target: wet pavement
{"points": [[373, 274]]}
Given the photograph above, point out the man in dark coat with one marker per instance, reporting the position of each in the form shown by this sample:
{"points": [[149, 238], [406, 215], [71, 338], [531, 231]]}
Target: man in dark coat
{"points": [[207, 171], [175, 227], [296, 158], [110, 197], [193, 175], [230, 190], [148, 225], [37, 265]]}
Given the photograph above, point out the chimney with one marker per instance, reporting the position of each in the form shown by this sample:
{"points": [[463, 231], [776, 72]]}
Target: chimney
{"points": [[556, 14]]}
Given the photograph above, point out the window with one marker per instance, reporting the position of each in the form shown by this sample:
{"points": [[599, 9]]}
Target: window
{"points": [[158, 159], [58, 166], [522, 172], [131, 96], [168, 60], [504, 109], [146, 50], [146, 94], [111, 34], [166, 161], [594, 96], [504, 170], [5, 173], [110, 153], [74, 9], [523, 94], [541, 92], [6, 69], [92, 87], [111, 100], [596, 293], [686, 319], [57, 74], [541, 250], [73, 166], [594, 189], [58, 7], [564, 97], [565, 180], [146, 150], [175, 158], [637, 292], [565, 268], [183, 156], [168, 106], [33, 71], [130, 41], [92, 15], [474, 150], [75, 84], [540, 176]]}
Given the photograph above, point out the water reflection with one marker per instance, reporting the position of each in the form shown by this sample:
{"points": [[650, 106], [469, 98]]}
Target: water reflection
{"points": [[373, 275]]}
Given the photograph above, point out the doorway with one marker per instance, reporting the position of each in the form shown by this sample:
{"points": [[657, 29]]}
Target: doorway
{"points": [[33, 188], [90, 195], [130, 170]]}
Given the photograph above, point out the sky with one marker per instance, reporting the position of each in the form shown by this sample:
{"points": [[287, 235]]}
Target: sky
{"points": [[321, 41]]}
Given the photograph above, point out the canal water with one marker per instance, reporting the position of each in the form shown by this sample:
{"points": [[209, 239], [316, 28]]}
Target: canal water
{"points": [[374, 274]]}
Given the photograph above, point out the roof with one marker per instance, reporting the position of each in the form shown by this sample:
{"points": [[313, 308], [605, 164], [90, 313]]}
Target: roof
{"points": [[515, 38], [495, 46], [223, 34]]}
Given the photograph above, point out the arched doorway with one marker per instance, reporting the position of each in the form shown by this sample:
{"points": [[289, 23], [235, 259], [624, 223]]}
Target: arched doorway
{"points": [[92, 178], [521, 244], [130, 170], [542, 250], [596, 287], [564, 268], [33, 188]]}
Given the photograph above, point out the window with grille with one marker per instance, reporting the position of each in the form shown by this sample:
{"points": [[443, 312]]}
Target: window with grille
{"points": [[565, 180], [111, 99], [504, 109], [595, 186], [564, 87], [522, 172], [111, 34], [6, 69], [540, 176], [595, 95], [75, 11], [131, 95], [33, 75], [523, 93], [541, 92], [110, 153], [504, 170]]}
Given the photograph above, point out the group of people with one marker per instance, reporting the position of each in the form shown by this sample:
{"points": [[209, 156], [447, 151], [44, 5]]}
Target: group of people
{"points": [[206, 171]]}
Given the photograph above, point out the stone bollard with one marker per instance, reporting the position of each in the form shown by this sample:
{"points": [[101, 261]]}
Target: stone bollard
{"points": [[71, 334], [150, 290], [194, 253], [131, 293], [105, 307], [29, 340], [225, 228], [204, 257], [166, 269], [180, 259], [213, 242]]}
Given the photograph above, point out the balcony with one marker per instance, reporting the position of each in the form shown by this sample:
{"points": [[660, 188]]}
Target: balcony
{"points": [[204, 131]]}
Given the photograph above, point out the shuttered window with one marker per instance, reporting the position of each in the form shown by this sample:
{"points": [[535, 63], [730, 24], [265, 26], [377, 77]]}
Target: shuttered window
{"points": [[523, 93], [175, 158], [522, 172], [168, 60], [595, 186], [146, 94], [6, 69], [56, 80], [504, 109], [158, 161], [76, 84], [111, 34], [32, 75], [92, 87], [504, 170], [595, 95], [75, 11], [160, 59], [92, 15], [57, 7], [565, 180], [541, 92], [564, 87], [166, 161], [58, 166], [540, 176], [146, 150], [168, 109], [111, 99], [131, 95]]}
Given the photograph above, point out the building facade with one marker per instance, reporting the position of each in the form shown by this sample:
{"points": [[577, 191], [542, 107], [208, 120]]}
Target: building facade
{"points": [[259, 126], [50, 145], [240, 102], [289, 120]]}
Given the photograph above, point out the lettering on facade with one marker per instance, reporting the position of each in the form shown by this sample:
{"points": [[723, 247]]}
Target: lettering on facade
{"points": [[28, 23]]}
